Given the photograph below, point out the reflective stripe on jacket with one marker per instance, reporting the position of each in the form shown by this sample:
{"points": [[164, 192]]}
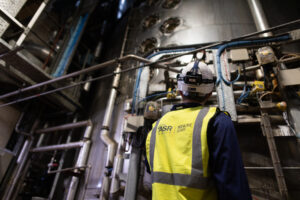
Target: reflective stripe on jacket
{"points": [[178, 155]]}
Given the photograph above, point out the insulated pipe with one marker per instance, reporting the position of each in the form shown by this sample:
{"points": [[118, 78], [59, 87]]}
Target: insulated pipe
{"points": [[71, 145], [108, 141], [118, 165], [64, 127], [81, 161], [39, 51], [259, 17]]}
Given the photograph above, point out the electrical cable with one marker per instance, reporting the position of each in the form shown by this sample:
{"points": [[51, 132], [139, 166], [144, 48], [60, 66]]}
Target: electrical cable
{"points": [[235, 44]]}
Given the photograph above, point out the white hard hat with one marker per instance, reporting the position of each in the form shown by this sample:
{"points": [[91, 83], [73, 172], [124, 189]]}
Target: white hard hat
{"points": [[196, 78]]}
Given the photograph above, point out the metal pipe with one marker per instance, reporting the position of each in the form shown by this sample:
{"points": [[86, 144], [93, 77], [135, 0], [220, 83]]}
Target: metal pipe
{"points": [[108, 141], [71, 145], [251, 68], [61, 163], [81, 161], [84, 71], [64, 127], [259, 17], [137, 58], [133, 174], [39, 51], [68, 86], [20, 165], [286, 168], [66, 169], [118, 165]]}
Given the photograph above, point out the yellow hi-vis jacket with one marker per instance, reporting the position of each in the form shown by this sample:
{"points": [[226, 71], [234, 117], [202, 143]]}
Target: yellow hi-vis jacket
{"points": [[177, 153]]}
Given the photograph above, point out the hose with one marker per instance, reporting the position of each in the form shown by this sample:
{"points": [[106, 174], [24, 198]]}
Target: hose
{"points": [[221, 48], [137, 83]]}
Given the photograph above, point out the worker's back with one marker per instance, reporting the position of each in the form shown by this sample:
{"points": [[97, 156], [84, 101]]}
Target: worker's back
{"points": [[178, 155]]}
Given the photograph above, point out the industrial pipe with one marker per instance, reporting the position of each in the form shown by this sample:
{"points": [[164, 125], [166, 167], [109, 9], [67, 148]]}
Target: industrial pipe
{"points": [[81, 161], [118, 165], [39, 51], [71, 145], [137, 58], [64, 127], [259, 17], [21, 161], [83, 71]]}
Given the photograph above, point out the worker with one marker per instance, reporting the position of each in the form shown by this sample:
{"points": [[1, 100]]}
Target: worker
{"points": [[193, 151]]}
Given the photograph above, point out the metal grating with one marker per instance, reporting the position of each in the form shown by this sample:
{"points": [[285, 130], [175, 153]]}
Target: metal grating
{"points": [[12, 7]]}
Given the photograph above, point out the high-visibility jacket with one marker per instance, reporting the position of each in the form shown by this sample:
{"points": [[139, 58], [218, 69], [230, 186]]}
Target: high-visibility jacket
{"points": [[177, 153]]}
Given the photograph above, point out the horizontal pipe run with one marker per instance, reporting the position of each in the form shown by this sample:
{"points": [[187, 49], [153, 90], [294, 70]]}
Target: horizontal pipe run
{"points": [[83, 71], [71, 145], [137, 58], [66, 169], [248, 119], [267, 168], [64, 127], [74, 85]]}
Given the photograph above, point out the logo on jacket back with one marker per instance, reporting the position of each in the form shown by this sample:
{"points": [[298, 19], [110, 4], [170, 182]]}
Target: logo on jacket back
{"points": [[164, 129]]}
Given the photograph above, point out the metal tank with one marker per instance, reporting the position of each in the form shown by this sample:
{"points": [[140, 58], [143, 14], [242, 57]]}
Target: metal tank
{"points": [[168, 23]]}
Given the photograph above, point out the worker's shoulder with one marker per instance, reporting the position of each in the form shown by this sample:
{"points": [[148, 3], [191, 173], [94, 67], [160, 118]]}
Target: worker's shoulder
{"points": [[222, 119]]}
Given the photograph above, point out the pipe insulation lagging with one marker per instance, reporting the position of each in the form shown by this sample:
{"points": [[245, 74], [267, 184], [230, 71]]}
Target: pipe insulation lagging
{"points": [[138, 78]]}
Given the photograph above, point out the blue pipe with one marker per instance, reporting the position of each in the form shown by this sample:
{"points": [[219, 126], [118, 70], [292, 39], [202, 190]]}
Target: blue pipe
{"points": [[234, 44], [137, 83], [70, 47], [241, 43]]}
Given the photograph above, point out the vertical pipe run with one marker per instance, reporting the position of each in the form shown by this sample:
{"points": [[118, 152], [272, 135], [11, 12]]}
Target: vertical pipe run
{"points": [[81, 161], [118, 166], [108, 141], [259, 17], [11, 188]]}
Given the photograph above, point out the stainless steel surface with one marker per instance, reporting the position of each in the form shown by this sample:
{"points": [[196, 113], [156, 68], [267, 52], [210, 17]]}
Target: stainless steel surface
{"points": [[81, 161], [199, 21], [105, 134], [289, 77], [39, 51], [12, 8], [119, 161], [133, 174], [71, 145], [259, 17], [32, 22], [64, 127]]}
